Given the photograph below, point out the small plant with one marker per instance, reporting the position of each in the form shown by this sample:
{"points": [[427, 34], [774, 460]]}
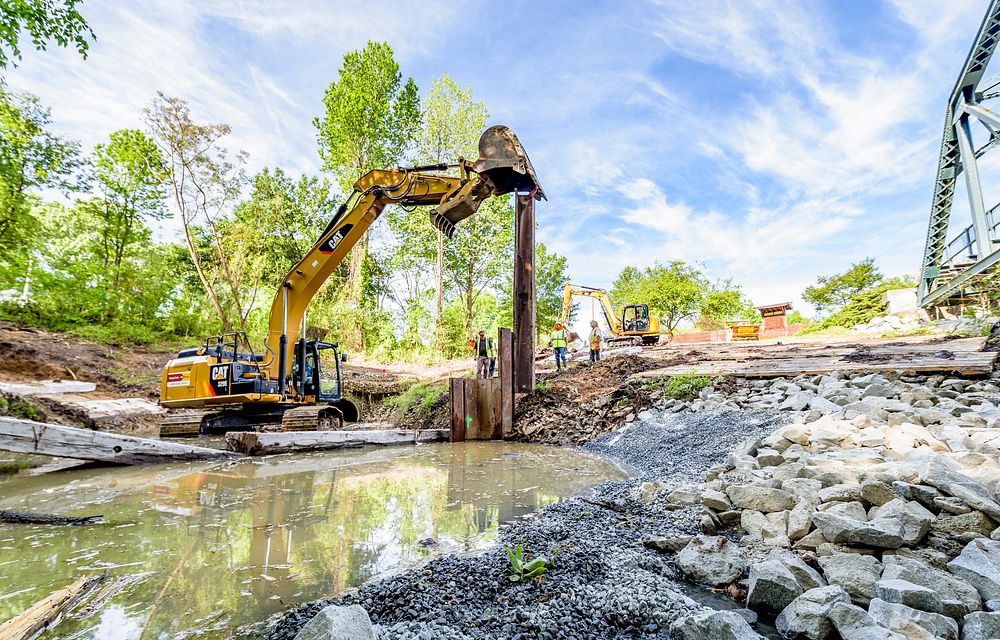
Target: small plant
{"points": [[521, 570], [18, 409], [543, 386], [686, 385]]}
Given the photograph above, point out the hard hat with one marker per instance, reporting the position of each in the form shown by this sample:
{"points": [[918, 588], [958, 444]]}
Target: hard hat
{"points": [[556, 325]]}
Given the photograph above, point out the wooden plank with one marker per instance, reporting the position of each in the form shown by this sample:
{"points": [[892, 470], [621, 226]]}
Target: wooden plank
{"points": [[471, 410], [25, 436], [496, 406], [729, 351], [484, 404], [506, 363], [46, 614], [258, 443], [964, 363], [457, 392]]}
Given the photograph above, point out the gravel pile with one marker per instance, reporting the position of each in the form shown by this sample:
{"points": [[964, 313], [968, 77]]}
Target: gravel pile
{"points": [[682, 446], [604, 582]]}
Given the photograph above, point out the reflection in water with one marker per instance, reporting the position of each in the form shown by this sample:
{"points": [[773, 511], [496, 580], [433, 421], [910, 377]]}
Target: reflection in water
{"points": [[226, 545]]}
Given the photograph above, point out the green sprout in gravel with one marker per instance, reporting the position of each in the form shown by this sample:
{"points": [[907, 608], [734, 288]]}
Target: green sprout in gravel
{"points": [[686, 386], [521, 570]]}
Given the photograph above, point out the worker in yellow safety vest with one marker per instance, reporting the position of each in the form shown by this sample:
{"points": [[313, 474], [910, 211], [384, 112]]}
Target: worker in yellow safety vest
{"points": [[596, 337], [558, 343]]}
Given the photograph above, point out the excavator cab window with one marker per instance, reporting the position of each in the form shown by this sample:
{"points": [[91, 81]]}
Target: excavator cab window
{"points": [[636, 317], [328, 372]]}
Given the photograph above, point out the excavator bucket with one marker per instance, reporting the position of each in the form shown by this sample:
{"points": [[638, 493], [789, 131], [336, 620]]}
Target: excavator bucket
{"points": [[504, 163], [503, 167]]}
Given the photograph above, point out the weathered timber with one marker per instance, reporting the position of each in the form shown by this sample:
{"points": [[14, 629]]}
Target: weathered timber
{"points": [[25, 436], [29, 517], [904, 347], [108, 591], [45, 614], [524, 293], [266, 443]]}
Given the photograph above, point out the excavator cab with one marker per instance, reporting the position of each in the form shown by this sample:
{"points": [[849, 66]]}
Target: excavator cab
{"points": [[635, 317]]}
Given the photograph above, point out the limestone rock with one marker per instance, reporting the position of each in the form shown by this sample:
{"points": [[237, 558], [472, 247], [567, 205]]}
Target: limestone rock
{"points": [[916, 519], [857, 574], [341, 622], [881, 532], [716, 500], [807, 617], [854, 623], [898, 618], [877, 492], [843, 492], [979, 565], [981, 625], [712, 561], [713, 625], [906, 593], [966, 526], [800, 520], [772, 587], [948, 586], [758, 498]]}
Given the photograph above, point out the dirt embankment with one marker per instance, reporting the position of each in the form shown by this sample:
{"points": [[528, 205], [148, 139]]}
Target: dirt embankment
{"points": [[587, 401]]}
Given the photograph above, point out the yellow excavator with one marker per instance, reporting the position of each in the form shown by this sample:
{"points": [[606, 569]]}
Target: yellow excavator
{"points": [[296, 383], [634, 326]]}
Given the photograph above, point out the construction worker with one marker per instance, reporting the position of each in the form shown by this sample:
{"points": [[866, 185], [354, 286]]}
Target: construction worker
{"points": [[558, 343], [484, 352], [596, 338]]}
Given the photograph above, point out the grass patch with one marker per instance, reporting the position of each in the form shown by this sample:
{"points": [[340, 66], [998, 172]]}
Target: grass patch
{"points": [[686, 386], [18, 409], [419, 397]]}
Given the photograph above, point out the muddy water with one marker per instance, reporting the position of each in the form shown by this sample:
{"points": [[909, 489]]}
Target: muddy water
{"points": [[219, 547]]}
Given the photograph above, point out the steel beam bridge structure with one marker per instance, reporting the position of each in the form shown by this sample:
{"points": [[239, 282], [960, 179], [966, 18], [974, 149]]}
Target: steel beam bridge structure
{"points": [[949, 268]]}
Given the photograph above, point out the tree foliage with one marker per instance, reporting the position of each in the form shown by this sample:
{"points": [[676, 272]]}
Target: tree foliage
{"points": [[832, 292], [42, 21]]}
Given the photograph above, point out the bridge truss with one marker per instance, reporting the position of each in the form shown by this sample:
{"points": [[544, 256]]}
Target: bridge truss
{"points": [[949, 269]]}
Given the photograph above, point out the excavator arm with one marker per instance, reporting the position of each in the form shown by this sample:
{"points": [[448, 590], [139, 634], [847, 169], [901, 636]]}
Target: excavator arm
{"points": [[503, 167], [602, 296]]}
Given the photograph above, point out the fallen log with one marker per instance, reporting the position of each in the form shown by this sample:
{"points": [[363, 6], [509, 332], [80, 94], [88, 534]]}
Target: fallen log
{"points": [[25, 436], [261, 443], [29, 517], [45, 614], [108, 591]]}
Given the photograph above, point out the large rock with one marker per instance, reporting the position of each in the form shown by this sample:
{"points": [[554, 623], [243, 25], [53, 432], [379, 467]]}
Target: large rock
{"points": [[713, 625], [979, 565], [772, 587], [843, 492], [964, 527], [800, 520], [943, 474], [948, 586], [856, 574], [981, 625], [881, 532], [899, 618], [914, 517], [712, 561], [912, 595], [341, 622], [763, 499], [807, 577], [854, 623], [978, 500], [807, 617], [877, 492]]}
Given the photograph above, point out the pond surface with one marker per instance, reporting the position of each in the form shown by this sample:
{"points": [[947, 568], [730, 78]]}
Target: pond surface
{"points": [[217, 548]]}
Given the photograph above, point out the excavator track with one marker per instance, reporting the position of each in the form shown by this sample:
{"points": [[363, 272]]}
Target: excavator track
{"points": [[187, 423], [312, 418]]}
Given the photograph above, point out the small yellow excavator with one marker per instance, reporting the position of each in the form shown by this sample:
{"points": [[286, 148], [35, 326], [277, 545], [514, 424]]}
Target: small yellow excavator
{"points": [[635, 325], [297, 386]]}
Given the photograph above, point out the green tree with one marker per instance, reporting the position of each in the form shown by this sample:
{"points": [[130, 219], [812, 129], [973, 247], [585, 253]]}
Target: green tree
{"points": [[129, 171], [479, 253], [833, 292], [42, 21], [370, 118], [675, 291], [451, 123], [203, 181], [270, 231], [31, 158], [550, 281], [722, 302]]}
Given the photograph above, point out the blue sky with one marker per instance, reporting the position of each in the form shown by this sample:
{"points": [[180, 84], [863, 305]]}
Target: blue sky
{"points": [[770, 141]]}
